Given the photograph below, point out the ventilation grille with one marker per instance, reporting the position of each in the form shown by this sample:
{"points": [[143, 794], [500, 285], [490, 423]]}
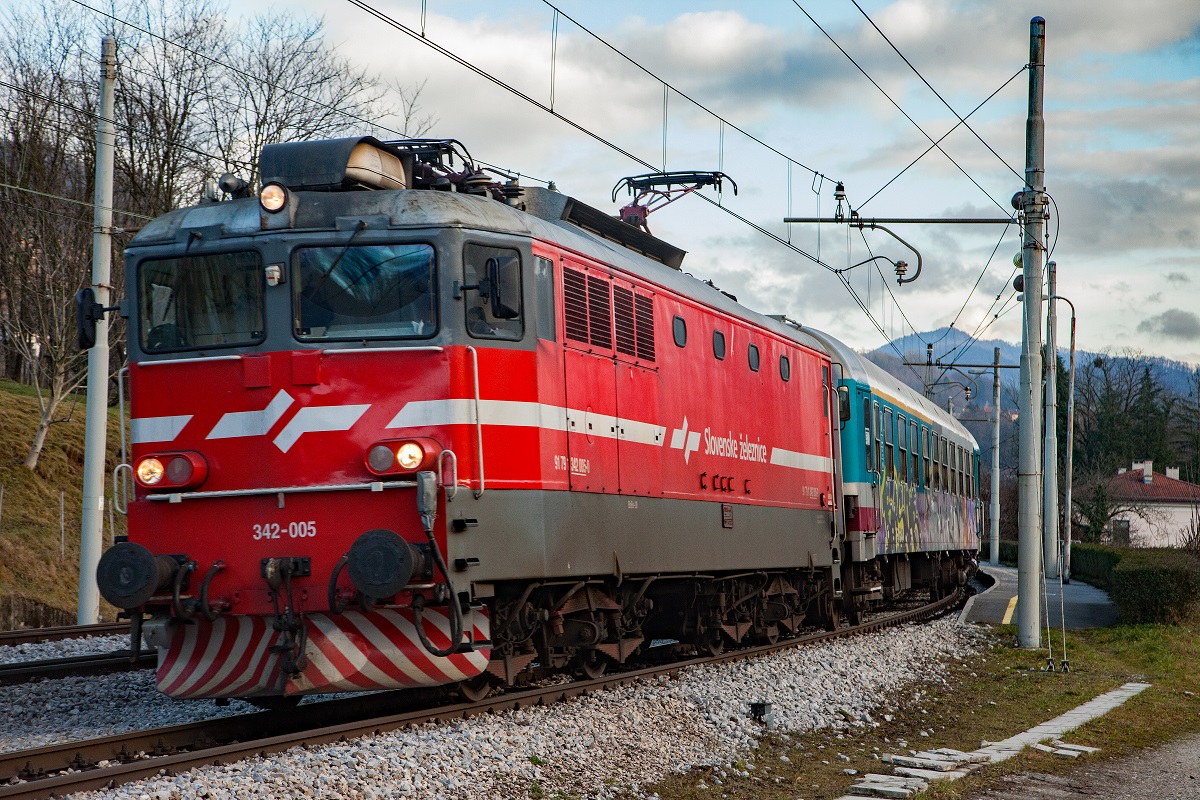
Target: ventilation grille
{"points": [[599, 312], [623, 317], [645, 327], [575, 305]]}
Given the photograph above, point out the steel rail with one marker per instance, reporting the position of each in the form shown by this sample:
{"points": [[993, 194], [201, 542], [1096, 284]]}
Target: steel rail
{"points": [[28, 635], [71, 666], [229, 739]]}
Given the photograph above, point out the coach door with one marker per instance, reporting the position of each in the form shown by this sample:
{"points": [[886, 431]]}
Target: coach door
{"points": [[590, 377], [639, 436]]}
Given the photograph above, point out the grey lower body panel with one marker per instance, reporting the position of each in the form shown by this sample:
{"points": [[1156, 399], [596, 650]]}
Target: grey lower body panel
{"points": [[523, 534]]}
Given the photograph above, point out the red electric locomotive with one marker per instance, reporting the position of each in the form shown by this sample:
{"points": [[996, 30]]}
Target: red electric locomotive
{"points": [[397, 425]]}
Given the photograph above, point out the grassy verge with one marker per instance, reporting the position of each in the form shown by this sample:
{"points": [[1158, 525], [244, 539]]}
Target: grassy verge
{"points": [[1000, 692], [32, 561]]}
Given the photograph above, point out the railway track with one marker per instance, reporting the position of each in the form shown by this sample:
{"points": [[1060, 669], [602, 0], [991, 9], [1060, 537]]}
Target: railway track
{"points": [[94, 664], [102, 763], [30, 635]]}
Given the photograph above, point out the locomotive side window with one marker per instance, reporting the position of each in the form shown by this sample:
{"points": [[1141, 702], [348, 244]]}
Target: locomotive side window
{"points": [[752, 355], [199, 302], [382, 291], [719, 345], [785, 369], [485, 320], [679, 330], [543, 281]]}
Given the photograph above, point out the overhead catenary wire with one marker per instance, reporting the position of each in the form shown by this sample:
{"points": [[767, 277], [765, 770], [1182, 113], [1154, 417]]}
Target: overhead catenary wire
{"points": [[616, 50], [962, 120], [941, 139], [66, 199], [370, 123], [897, 106]]}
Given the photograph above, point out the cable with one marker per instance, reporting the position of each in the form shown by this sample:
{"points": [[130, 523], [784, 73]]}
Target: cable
{"points": [[894, 103], [243, 73], [961, 120], [72, 200], [676, 90], [929, 149]]}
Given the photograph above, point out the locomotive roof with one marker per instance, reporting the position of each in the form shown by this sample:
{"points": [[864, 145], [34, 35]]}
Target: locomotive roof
{"points": [[551, 216]]}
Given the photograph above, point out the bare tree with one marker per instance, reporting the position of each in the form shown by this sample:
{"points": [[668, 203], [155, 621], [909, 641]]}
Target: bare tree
{"points": [[414, 123], [285, 83], [45, 255]]}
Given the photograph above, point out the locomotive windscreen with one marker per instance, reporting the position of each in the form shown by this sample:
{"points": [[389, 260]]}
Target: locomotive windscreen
{"points": [[202, 301], [364, 292]]}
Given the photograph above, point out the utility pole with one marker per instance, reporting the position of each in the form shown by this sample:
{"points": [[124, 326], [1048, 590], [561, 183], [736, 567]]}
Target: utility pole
{"points": [[1032, 203], [1050, 447], [95, 444], [929, 371], [994, 507]]}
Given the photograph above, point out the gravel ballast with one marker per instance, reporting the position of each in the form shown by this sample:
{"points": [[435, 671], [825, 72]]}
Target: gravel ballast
{"points": [[591, 747], [62, 648]]}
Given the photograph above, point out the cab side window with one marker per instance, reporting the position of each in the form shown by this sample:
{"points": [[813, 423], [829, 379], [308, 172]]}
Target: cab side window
{"points": [[481, 267]]}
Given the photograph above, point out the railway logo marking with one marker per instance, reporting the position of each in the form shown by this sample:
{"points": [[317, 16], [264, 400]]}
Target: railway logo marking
{"points": [[252, 423], [314, 419], [685, 440]]}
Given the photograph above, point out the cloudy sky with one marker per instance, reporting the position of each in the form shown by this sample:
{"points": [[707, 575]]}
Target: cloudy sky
{"points": [[1122, 141]]}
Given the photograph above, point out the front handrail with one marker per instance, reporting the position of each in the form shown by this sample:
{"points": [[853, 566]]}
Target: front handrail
{"points": [[375, 486], [478, 420]]}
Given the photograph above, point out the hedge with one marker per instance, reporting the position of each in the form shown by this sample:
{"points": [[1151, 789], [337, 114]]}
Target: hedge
{"points": [[1094, 563], [1146, 585], [1159, 585]]}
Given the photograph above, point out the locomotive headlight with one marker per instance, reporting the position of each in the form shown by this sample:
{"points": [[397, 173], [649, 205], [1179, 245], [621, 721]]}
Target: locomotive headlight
{"points": [[380, 458], [150, 471], [273, 197], [410, 455]]}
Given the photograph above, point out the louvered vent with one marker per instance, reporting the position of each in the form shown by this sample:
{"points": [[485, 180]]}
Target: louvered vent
{"points": [[599, 312], [575, 305], [645, 327], [623, 317]]}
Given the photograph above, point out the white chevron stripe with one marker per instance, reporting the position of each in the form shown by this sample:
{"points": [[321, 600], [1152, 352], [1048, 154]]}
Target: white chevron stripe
{"points": [[316, 419], [252, 423], [244, 629], [157, 429]]}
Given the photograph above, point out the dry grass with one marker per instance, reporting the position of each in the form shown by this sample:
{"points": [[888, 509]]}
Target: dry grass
{"points": [[30, 561], [992, 696]]}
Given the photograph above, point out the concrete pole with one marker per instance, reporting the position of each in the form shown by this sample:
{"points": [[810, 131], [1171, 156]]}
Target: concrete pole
{"points": [[1032, 203], [1050, 447], [994, 510], [96, 436], [1070, 475]]}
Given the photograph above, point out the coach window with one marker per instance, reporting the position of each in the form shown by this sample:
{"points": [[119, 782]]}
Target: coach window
{"points": [[889, 441], [377, 291], [752, 355], [719, 345], [879, 442], [945, 464], [486, 319], [962, 472], [914, 444], [543, 281], [785, 370], [870, 462], [679, 329], [902, 447]]}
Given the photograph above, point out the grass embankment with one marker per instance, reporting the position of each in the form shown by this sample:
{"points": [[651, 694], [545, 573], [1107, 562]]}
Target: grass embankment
{"points": [[31, 564], [991, 696]]}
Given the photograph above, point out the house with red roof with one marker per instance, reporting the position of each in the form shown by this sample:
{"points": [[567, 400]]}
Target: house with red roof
{"points": [[1156, 510]]}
